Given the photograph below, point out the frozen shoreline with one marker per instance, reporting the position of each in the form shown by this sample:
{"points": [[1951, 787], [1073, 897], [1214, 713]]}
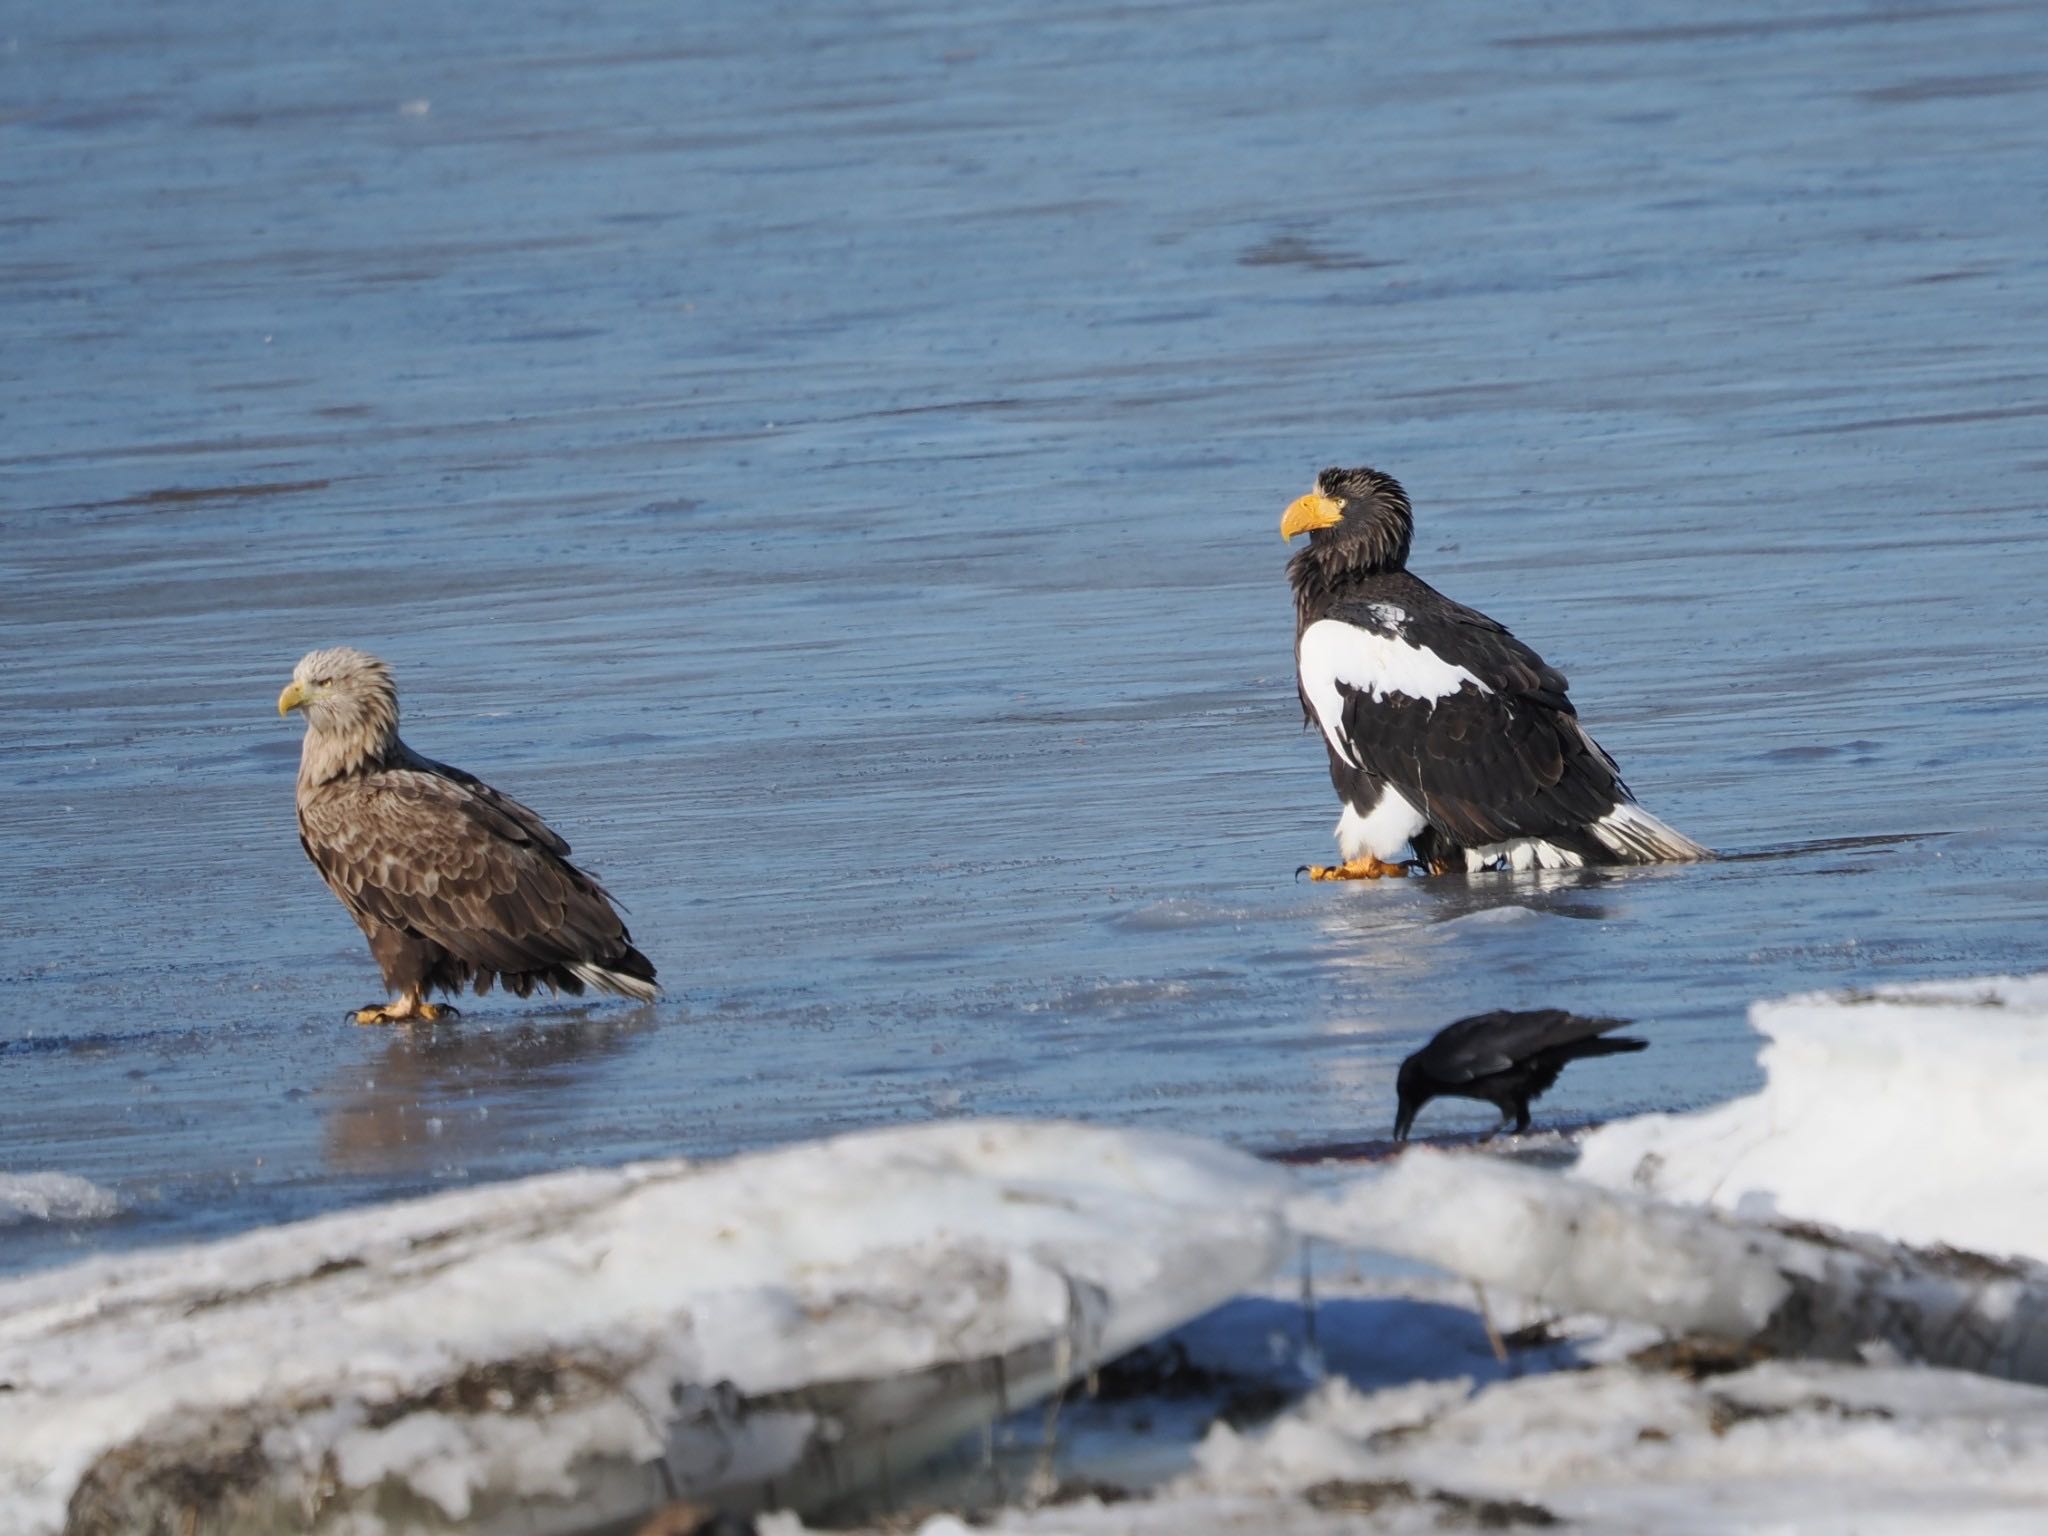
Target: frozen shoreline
{"points": [[557, 1353], [798, 1330]]}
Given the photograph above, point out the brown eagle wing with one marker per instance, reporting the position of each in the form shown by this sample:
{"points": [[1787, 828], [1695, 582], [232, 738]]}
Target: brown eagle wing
{"points": [[436, 852]]}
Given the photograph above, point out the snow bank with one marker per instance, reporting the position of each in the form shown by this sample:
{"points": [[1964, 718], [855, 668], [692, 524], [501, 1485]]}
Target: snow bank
{"points": [[1593, 1442], [1554, 1239], [552, 1354], [52, 1197], [1915, 1112], [1689, 1270], [1806, 1447]]}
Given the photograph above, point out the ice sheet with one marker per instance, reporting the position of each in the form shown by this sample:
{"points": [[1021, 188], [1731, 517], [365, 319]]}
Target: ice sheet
{"points": [[524, 1356]]}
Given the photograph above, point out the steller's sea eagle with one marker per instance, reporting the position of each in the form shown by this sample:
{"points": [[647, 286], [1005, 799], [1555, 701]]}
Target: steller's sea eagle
{"points": [[451, 882], [1452, 744]]}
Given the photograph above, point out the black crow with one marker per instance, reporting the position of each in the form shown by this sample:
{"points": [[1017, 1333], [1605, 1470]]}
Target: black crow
{"points": [[1506, 1058]]}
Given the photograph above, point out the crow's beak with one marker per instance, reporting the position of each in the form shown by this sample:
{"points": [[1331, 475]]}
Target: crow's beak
{"points": [[1404, 1119]]}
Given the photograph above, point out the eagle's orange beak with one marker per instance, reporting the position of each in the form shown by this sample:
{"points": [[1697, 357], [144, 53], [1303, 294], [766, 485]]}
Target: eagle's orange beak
{"points": [[296, 695], [1305, 514]]}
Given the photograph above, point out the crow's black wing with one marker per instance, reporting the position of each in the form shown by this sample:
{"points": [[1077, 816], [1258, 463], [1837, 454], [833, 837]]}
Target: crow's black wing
{"points": [[1487, 1043]]}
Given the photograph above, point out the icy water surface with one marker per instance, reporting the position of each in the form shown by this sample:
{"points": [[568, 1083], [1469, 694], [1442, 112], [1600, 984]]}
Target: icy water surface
{"points": [[828, 459]]}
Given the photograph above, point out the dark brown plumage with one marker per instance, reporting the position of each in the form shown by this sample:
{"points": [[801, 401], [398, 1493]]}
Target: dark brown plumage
{"points": [[453, 883]]}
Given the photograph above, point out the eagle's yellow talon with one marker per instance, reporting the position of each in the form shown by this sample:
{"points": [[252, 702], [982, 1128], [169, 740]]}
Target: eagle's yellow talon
{"points": [[1365, 867], [1326, 872], [411, 1009]]}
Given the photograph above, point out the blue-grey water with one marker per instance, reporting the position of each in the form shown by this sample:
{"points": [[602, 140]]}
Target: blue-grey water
{"points": [[828, 459]]}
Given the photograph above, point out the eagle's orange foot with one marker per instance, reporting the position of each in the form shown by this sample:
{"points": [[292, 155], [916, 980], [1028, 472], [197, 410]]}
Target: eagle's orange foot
{"points": [[1366, 867], [407, 1010]]}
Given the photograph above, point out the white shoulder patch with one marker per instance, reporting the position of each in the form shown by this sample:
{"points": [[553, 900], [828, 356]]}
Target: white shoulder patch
{"points": [[1335, 656]]}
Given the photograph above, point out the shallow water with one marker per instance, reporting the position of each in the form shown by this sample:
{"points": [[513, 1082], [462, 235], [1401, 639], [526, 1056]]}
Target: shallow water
{"points": [[830, 463]]}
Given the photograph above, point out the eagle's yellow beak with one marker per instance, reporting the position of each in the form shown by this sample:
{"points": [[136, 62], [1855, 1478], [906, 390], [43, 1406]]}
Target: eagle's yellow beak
{"points": [[1305, 514], [296, 695]]}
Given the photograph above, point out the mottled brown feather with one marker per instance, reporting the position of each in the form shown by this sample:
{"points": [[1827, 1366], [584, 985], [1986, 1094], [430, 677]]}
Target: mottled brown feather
{"points": [[453, 882]]}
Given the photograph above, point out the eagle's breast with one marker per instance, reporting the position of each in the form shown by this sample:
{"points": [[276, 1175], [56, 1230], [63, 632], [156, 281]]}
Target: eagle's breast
{"points": [[1337, 658]]}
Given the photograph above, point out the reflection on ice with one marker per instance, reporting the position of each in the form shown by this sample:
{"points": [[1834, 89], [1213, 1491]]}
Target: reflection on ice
{"points": [[445, 1094]]}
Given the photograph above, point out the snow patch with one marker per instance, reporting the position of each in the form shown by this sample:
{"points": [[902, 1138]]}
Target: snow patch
{"points": [[1914, 1112], [1548, 1237], [1609, 1449], [1808, 1447], [552, 1354], [53, 1197]]}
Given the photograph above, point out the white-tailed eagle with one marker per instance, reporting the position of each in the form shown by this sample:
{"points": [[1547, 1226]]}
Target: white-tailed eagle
{"points": [[452, 883]]}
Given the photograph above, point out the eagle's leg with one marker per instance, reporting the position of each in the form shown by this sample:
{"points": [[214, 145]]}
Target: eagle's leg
{"points": [[410, 1008], [1364, 867]]}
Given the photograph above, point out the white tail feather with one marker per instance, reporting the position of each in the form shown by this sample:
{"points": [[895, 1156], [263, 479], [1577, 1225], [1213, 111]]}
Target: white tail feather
{"points": [[1634, 836], [618, 983]]}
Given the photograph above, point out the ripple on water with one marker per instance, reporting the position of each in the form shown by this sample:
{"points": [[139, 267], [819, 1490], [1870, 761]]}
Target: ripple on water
{"points": [[854, 527]]}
